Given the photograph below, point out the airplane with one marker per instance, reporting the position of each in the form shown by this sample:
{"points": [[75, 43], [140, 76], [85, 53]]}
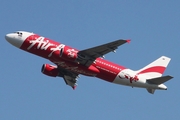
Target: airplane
{"points": [[70, 62]]}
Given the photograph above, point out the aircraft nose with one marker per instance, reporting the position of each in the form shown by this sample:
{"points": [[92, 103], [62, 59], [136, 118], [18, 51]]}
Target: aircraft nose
{"points": [[8, 37], [14, 39]]}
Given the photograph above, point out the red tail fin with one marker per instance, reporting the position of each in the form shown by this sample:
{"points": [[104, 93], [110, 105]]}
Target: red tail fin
{"points": [[156, 68]]}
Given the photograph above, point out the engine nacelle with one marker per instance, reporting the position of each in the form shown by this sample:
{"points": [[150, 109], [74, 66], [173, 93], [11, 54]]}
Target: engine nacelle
{"points": [[50, 70], [69, 53]]}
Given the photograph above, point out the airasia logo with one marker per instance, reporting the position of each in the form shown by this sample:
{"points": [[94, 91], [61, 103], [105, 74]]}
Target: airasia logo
{"points": [[71, 53], [43, 44], [131, 78]]}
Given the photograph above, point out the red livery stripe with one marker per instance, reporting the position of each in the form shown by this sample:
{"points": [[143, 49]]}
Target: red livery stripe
{"points": [[158, 69]]}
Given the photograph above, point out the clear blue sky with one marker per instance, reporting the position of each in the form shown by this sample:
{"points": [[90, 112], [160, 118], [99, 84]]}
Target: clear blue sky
{"points": [[152, 25]]}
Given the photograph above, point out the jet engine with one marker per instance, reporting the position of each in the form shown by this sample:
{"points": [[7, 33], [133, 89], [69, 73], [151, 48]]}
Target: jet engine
{"points": [[50, 70]]}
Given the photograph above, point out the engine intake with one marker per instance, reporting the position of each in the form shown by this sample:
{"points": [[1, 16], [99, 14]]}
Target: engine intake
{"points": [[50, 70]]}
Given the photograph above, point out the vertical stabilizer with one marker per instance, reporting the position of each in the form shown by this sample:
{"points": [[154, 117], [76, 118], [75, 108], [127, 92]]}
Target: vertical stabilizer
{"points": [[156, 68]]}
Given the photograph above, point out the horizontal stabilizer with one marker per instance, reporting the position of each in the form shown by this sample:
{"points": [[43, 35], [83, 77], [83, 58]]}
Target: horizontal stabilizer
{"points": [[159, 80]]}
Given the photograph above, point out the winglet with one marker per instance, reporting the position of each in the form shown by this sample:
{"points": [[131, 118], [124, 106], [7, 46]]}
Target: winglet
{"points": [[74, 87], [128, 41]]}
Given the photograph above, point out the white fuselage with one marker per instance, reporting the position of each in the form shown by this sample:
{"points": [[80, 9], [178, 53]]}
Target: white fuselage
{"points": [[129, 77]]}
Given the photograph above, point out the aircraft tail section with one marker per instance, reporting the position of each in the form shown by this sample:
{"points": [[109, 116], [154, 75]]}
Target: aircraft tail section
{"points": [[156, 68], [158, 81]]}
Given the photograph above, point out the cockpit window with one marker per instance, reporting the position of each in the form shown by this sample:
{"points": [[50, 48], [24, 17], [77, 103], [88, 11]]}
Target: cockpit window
{"points": [[19, 33]]}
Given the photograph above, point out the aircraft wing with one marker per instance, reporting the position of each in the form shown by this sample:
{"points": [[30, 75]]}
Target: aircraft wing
{"points": [[88, 56], [71, 81], [69, 77]]}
